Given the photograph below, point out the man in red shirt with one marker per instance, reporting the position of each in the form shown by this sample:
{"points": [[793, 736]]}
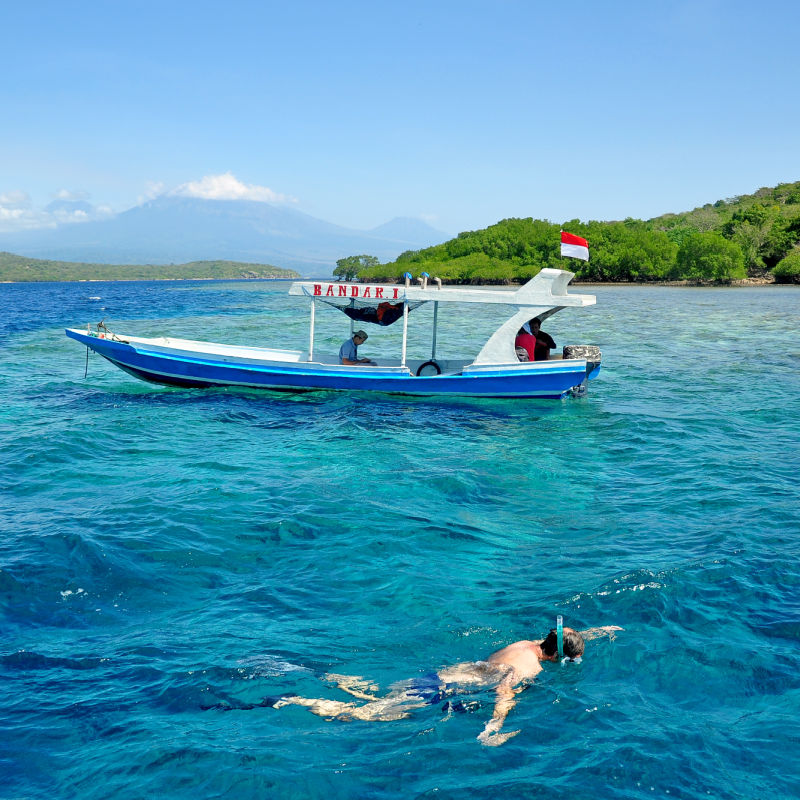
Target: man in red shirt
{"points": [[525, 342]]}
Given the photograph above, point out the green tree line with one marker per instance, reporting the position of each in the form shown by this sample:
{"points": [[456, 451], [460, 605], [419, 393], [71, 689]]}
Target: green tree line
{"points": [[21, 269], [746, 236]]}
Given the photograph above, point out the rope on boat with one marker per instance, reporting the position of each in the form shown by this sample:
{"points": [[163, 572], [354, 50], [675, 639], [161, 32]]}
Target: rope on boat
{"points": [[109, 334]]}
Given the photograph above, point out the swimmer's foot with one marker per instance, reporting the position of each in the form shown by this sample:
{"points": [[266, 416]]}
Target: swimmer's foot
{"points": [[275, 701], [278, 701]]}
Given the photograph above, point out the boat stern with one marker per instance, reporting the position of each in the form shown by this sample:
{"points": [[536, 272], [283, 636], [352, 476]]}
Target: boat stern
{"points": [[593, 358]]}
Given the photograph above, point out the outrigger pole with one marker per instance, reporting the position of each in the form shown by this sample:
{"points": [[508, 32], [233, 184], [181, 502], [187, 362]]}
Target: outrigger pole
{"points": [[407, 276], [352, 321], [435, 319], [311, 331], [424, 280]]}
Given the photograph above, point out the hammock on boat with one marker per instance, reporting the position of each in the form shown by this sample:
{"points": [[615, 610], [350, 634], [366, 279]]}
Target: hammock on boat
{"points": [[383, 313]]}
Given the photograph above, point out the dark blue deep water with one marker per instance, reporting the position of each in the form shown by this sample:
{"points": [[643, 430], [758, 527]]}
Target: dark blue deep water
{"points": [[162, 550]]}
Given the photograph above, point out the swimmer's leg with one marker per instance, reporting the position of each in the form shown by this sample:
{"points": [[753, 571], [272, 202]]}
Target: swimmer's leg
{"points": [[334, 709], [385, 709], [353, 684]]}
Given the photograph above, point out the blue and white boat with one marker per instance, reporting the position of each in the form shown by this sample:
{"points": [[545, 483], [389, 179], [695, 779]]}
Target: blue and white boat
{"points": [[495, 371]]}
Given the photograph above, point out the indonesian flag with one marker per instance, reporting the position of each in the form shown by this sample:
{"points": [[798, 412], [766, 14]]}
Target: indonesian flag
{"points": [[574, 247]]}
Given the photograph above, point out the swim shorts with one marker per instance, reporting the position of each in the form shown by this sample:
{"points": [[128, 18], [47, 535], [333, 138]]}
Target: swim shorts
{"points": [[428, 687]]}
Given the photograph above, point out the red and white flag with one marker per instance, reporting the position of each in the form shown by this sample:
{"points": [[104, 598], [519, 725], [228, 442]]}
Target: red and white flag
{"points": [[574, 247]]}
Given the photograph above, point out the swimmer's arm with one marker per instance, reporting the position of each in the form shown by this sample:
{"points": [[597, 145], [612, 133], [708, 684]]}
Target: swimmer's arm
{"points": [[504, 702], [605, 630]]}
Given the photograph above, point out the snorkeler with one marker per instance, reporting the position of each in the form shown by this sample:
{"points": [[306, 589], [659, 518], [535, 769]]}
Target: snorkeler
{"points": [[508, 671]]}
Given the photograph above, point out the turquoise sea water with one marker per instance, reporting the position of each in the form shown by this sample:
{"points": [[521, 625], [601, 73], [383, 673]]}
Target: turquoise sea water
{"points": [[162, 550]]}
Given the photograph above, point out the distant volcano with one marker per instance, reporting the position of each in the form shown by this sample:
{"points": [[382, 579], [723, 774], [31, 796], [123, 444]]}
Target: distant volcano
{"points": [[173, 229]]}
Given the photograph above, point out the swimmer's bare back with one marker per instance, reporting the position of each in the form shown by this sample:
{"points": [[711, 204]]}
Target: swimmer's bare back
{"points": [[479, 674]]}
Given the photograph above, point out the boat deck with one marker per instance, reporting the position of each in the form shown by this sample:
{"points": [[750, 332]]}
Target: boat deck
{"points": [[246, 354]]}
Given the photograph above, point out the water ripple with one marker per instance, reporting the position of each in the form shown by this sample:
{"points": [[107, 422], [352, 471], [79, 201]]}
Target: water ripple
{"points": [[165, 551]]}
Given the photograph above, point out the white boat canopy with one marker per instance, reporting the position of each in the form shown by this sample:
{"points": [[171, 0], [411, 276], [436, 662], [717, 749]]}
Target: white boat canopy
{"points": [[543, 295]]}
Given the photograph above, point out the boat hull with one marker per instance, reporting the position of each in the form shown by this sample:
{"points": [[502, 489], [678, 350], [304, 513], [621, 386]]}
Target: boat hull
{"points": [[158, 363]]}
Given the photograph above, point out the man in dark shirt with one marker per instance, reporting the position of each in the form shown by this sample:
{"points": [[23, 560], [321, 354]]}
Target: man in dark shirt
{"points": [[544, 342]]}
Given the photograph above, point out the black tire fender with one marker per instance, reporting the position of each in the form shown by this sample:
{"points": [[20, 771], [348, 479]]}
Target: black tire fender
{"points": [[429, 364]]}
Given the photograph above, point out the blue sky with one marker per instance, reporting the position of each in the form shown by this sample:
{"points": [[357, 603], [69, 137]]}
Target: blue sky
{"points": [[460, 113]]}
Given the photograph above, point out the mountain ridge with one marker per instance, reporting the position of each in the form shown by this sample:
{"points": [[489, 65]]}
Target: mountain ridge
{"points": [[177, 229]]}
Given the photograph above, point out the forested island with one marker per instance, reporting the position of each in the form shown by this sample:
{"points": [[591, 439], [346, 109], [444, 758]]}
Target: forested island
{"points": [[20, 269], [753, 236]]}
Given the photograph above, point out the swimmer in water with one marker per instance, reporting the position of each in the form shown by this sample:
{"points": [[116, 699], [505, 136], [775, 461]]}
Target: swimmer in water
{"points": [[508, 671]]}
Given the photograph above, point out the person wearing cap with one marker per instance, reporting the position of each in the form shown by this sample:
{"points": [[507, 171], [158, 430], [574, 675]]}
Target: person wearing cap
{"points": [[348, 352], [508, 671]]}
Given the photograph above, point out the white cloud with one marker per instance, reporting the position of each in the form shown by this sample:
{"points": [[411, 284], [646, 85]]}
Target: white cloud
{"points": [[17, 212], [23, 219], [152, 190], [228, 187], [15, 199], [12, 213], [66, 194]]}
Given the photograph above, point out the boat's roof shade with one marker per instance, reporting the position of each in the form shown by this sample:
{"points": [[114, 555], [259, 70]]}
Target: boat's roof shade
{"points": [[546, 289]]}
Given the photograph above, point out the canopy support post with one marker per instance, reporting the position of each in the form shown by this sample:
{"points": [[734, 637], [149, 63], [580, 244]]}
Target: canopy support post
{"points": [[435, 321], [405, 333], [311, 330]]}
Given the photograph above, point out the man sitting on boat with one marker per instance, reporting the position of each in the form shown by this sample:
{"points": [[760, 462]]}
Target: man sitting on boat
{"points": [[532, 343], [525, 345], [544, 341], [348, 352]]}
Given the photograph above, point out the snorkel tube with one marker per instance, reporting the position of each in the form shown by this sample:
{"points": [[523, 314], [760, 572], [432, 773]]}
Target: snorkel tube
{"points": [[560, 643], [560, 636]]}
